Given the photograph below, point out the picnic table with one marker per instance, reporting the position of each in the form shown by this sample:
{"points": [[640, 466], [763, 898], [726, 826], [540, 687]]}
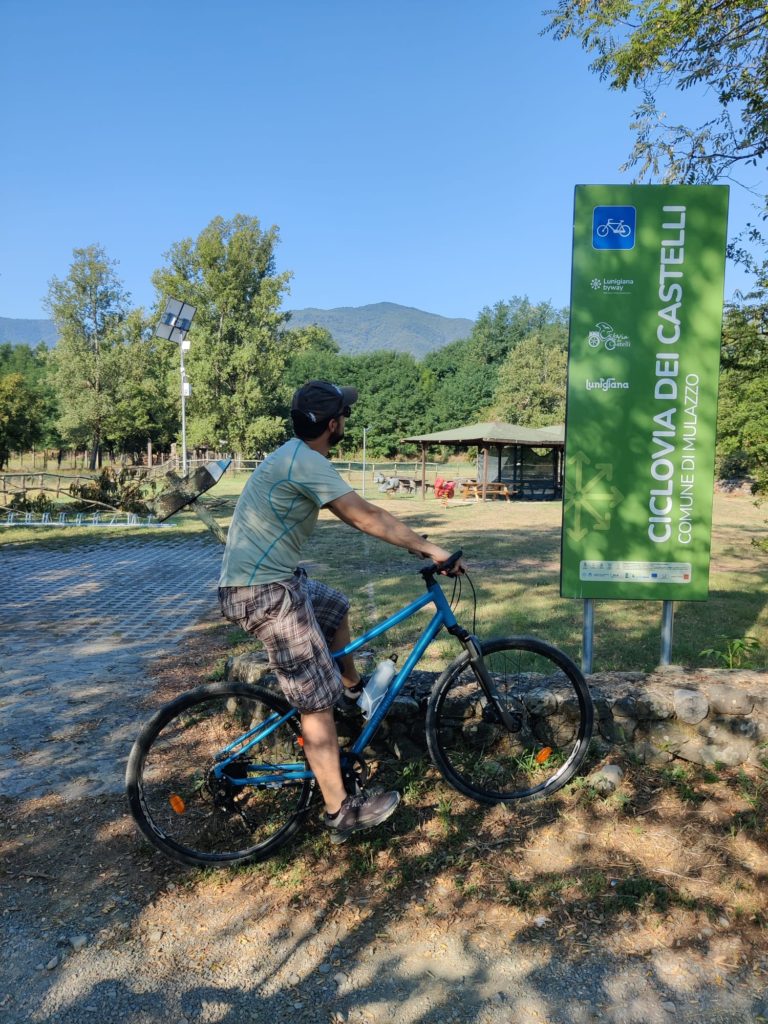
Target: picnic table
{"points": [[497, 489]]}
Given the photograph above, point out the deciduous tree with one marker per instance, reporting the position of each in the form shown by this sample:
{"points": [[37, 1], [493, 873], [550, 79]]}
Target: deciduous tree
{"points": [[88, 307], [147, 396], [531, 382], [742, 420], [36, 367], [21, 416], [237, 358]]}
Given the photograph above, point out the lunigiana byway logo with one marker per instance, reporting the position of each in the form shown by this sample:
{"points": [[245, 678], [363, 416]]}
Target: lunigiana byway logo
{"points": [[591, 495]]}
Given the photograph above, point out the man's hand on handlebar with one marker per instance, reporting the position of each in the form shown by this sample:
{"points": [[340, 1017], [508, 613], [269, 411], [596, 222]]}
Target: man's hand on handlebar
{"points": [[439, 556], [456, 565]]}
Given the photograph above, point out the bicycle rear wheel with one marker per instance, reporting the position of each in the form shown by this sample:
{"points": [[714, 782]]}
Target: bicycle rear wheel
{"points": [[552, 713], [196, 817]]}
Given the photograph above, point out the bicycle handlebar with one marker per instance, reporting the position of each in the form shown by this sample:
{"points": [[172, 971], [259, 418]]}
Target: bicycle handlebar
{"points": [[428, 571]]}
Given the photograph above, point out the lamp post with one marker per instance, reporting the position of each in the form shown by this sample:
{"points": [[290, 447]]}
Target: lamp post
{"points": [[365, 433], [174, 326]]}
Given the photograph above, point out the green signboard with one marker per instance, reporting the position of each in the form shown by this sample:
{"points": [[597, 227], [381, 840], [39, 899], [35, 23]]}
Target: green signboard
{"points": [[644, 355]]}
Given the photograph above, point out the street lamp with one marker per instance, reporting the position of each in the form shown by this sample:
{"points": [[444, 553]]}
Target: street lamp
{"points": [[365, 432], [174, 326]]}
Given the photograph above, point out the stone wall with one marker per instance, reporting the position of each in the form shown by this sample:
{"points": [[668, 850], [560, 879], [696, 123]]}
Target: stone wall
{"points": [[706, 716]]}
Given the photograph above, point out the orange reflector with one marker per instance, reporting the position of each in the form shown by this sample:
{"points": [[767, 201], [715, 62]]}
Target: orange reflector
{"points": [[543, 755], [177, 804], [300, 740]]}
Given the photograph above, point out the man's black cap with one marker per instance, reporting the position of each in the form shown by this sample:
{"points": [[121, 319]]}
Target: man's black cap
{"points": [[319, 400]]}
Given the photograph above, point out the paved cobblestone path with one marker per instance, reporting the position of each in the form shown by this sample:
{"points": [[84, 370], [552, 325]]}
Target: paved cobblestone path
{"points": [[77, 629]]}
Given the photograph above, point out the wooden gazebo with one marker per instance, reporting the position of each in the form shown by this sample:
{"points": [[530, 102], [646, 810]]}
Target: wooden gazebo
{"points": [[495, 437]]}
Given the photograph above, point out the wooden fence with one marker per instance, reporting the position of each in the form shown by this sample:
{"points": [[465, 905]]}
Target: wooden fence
{"points": [[52, 484]]}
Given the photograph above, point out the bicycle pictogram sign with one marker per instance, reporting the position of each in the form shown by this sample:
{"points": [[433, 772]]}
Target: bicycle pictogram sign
{"points": [[613, 227]]}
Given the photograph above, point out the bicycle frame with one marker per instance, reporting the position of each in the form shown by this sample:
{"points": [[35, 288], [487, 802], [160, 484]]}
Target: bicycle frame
{"points": [[280, 774]]}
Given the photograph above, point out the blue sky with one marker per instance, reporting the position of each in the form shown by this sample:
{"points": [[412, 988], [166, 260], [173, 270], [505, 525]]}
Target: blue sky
{"points": [[416, 152]]}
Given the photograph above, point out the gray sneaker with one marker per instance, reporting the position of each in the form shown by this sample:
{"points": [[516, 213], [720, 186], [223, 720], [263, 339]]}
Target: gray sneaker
{"points": [[360, 812]]}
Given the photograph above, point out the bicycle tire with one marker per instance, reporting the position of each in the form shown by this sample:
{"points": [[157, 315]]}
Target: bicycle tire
{"points": [[550, 702], [214, 823]]}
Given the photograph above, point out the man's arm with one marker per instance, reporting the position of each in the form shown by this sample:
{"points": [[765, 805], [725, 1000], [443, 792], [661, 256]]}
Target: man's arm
{"points": [[370, 519]]}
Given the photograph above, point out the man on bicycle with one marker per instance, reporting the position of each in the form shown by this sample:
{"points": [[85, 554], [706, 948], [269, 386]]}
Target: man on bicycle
{"points": [[300, 620]]}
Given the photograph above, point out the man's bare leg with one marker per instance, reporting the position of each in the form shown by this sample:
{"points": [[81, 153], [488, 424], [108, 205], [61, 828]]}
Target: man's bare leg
{"points": [[349, 674], [321, 745]]}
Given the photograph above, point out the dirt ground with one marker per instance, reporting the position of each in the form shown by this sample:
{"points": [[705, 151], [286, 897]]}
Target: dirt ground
{"points": [[673, 864]]}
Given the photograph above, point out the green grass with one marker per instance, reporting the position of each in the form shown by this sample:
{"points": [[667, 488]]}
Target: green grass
{"points": [[513, 551], [683, 779]]}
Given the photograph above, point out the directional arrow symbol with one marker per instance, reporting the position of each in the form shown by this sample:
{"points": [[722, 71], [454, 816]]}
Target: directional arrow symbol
{"points": [[589, 504]]}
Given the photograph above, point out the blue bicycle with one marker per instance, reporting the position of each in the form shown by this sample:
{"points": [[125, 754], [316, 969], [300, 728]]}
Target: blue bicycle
{"points": [[219, 777]]}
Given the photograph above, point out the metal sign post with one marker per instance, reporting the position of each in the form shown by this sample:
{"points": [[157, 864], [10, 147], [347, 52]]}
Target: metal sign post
{"points": [[174, 325], [587, 636], [667, 623]]}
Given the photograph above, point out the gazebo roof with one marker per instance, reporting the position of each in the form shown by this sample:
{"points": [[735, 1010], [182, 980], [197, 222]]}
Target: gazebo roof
{"points": [[484, 434]]}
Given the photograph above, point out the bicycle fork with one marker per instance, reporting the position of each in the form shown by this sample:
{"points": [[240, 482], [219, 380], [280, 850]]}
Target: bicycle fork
{"points": [[471, 645]]}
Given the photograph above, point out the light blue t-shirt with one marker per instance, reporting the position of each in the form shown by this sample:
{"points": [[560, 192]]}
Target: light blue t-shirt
{"points": [[276, 513]]}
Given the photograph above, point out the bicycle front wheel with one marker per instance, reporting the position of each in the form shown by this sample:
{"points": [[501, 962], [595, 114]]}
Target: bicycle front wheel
{"points": [[193, 812], [552, 717]]}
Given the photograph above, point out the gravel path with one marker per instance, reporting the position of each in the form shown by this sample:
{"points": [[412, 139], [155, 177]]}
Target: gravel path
{"points": [[77, 628], [212, 961], [94, 928]]}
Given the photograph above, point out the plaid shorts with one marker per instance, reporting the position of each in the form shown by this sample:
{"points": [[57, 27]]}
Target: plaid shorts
{"points": [[295, 619]]}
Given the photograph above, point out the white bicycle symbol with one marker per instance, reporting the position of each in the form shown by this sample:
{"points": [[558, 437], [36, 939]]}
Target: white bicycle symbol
{"points": [[605, 333], [616, 227]]}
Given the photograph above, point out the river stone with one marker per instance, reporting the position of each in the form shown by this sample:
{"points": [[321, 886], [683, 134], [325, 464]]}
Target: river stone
{"points": [[741, 728], [720, 744], [654, 705], [611, 728], [728, 741], [649, 754], [728, 700], [667, 736], [624, 729], [607, 779], [247, 668], [404, 709], [625, 707], [690, 706], [541, 701]]}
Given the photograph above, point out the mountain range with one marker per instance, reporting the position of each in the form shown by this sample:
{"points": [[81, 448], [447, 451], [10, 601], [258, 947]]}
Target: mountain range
{"points": [[356, 329], [27, 332]]}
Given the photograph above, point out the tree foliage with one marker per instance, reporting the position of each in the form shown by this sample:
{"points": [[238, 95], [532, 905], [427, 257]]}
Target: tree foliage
{"points": [[742, 423], [393, 400], [89, 308], [531, 383], [653, 44], [35, 366], [463, 376], [147, 393], [237, 358], [21, 418]]}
